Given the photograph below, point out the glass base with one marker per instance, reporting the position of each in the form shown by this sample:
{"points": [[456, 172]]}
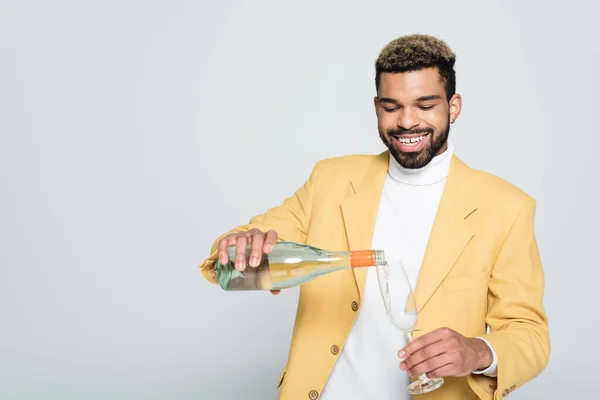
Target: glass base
{"points": [[425, 386]]}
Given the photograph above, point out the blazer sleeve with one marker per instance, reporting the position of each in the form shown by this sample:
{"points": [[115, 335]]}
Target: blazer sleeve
{"points": [[516, 317], [290, 220]]}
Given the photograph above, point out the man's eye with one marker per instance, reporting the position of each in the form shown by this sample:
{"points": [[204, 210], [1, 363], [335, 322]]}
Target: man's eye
{"points": [[390, 109], [426, 107]]}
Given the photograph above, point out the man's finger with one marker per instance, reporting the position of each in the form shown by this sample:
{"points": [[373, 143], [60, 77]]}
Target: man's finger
{"points": [[420, 342], [224, 244], [446, 370], [275, 291], [430, 364], [256, 251], [424, 354], [270, 241], [240, 252], [222, 252], [231, 239]]}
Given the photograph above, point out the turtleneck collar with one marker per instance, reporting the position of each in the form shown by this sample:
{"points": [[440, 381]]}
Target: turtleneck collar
{"points": [[435, 171]]}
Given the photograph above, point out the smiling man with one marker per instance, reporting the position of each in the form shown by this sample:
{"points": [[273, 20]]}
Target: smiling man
{"points": [[465, 237], [416, 99]]}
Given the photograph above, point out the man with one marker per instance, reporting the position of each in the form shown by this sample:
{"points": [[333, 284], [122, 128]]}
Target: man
{"points": [[466, 237]]}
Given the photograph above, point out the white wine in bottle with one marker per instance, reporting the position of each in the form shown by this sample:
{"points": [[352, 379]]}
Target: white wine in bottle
{"points": [[291, 264]]}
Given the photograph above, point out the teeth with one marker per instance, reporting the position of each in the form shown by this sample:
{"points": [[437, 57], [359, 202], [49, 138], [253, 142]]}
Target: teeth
{"points": [[411, 140]]}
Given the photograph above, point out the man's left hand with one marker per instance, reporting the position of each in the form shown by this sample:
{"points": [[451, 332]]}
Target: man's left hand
{"points": [[445, 352]]}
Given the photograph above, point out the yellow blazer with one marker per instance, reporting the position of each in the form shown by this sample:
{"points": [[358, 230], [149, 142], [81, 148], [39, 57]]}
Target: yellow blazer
{"points": [[481, 268]]}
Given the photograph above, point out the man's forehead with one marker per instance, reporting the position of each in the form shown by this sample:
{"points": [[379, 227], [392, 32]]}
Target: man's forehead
{"points": [[414, 83]]}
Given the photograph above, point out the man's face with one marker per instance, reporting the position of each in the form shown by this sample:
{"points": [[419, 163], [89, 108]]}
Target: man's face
{"points": [[414, 115]]}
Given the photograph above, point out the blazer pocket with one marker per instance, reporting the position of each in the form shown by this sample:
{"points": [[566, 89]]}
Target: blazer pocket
{"points": [[465, 282]]}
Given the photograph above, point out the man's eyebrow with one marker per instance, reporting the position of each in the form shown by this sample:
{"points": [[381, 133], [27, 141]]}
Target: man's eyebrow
{"points": [[387, 100], [431, 97], [420, 99]]}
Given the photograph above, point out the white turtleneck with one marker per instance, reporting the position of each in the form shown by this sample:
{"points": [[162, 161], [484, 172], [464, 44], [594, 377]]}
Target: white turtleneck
{"points": [[368, 366]]}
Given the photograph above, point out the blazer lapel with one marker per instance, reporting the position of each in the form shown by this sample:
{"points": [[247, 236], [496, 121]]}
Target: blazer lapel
{"points": [[450, 233], [360, 211]]}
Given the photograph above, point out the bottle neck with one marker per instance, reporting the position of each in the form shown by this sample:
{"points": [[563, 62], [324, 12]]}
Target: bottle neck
{"points": [[366, 258]]}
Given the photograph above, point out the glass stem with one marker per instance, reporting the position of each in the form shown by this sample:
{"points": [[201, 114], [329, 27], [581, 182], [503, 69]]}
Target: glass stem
{"points": [[422, 377]]}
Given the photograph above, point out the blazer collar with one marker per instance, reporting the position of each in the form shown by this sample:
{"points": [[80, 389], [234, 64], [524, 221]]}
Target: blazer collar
{"points": [[450, 232]]}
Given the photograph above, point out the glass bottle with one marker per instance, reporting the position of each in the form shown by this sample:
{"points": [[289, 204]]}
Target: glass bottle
{"points": [[291, 264]]}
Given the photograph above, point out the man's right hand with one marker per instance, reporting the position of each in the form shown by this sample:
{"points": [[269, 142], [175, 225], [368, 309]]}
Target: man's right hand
{"points": [[262, 243]]}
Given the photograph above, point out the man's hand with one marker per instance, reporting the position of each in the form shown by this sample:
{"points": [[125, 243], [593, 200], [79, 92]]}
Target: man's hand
{"points": [[445, 352], [262, 243]]}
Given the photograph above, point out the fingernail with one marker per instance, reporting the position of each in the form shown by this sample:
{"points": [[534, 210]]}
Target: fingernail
{"points": [[402, 366], [239, 265], [267, 247], [254, 261], [402, 353]]}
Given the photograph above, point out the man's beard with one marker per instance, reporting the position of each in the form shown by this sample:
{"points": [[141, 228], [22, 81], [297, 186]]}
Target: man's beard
{"points": [[415, 160]]}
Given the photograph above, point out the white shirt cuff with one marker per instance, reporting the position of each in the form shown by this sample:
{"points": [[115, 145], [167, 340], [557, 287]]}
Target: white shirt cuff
{"points": [[492, 370]]}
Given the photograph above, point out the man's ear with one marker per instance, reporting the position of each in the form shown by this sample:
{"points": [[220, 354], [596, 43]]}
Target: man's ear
{"points": [[455, 107]]}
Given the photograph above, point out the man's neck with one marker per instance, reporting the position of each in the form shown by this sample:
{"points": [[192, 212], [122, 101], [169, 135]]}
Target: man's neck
{"points": [[435, 171]]}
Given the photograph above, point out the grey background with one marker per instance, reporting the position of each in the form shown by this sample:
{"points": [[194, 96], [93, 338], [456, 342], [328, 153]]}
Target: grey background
{"points": [[135, 132]]}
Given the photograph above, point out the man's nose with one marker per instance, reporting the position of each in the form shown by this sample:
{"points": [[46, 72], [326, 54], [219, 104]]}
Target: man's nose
{"points": [[408, 119]]}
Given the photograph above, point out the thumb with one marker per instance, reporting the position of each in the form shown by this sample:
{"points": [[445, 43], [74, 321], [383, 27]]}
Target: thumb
{"points": [[275, 291]]}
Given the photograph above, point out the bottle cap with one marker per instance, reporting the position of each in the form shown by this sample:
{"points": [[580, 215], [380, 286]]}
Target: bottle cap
{"points": [[367, 258], [362, 258]]}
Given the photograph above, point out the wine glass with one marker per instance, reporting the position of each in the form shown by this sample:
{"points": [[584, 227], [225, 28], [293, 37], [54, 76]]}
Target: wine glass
{"points": [[401, 308]]}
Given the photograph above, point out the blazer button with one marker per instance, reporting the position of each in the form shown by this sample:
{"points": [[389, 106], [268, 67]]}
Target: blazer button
{"points": [[335, 350], [354, 306], [313, 395]]}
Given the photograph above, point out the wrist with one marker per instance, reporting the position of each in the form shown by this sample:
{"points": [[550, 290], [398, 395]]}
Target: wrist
{"points": [[484, 355]]}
